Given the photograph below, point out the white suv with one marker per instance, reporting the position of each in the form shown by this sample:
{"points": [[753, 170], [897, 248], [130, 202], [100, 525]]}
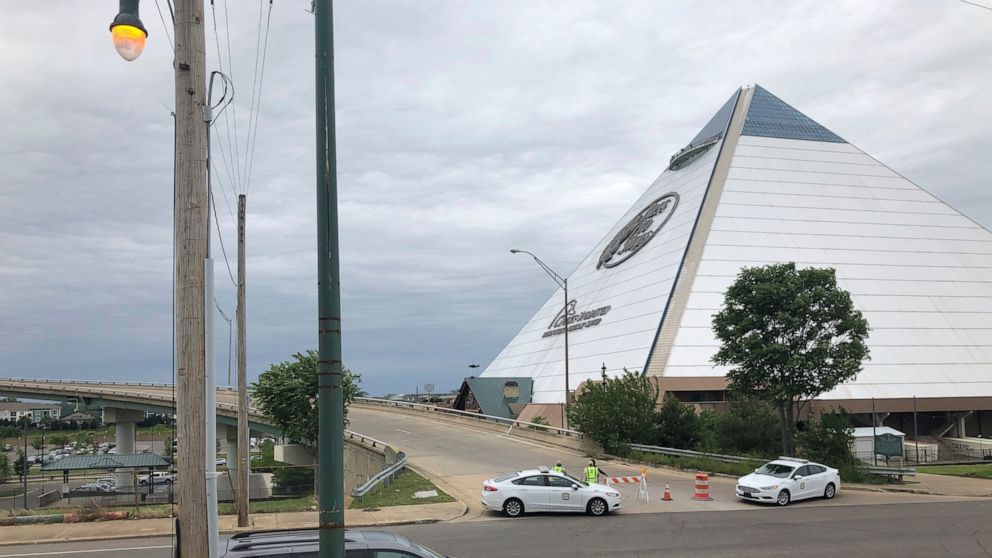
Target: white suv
{"points": [[541, 490], [788, 479]]}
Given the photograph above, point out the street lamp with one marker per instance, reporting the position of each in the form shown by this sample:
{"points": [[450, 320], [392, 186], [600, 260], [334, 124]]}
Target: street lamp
{"points": [[563, 283], [128, 32]]}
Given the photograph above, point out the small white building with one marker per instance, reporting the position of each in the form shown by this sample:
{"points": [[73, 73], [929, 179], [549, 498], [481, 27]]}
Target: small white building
{"points": [[864, 444], [35, 411]]}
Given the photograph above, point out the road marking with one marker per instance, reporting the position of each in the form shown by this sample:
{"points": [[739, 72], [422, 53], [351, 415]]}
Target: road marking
{"points": [[522, 441], [403, 431], [91, 551]]}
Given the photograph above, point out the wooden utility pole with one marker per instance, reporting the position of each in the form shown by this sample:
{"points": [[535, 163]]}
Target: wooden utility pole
{"points": [[192, 240], [243, 437]]}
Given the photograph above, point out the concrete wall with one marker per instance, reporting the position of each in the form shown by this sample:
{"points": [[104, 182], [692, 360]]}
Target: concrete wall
{"points": [[361, 461]]}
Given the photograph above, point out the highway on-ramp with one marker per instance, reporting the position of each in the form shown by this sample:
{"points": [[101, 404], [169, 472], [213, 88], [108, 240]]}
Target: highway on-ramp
{"points": [[459, 457]]}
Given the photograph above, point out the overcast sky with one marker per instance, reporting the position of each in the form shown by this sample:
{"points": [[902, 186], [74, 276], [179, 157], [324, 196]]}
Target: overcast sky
{"points": [[464, 129]]}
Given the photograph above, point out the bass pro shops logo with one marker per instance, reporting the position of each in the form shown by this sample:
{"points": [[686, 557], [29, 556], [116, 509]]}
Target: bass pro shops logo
{"points": [[639, 231], [576, 320]]}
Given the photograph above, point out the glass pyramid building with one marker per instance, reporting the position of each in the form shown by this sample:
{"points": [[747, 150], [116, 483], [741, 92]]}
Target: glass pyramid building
{"points": [[763, 183]]}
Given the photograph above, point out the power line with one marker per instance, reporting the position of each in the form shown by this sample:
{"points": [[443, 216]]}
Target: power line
{"points": [[234, 108], [165, 27], [228, 166], [220, 237], [977, 5], [253, 133]]}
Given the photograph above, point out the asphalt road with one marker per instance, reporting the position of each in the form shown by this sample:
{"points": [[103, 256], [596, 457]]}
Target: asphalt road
{"points": [[959, 529]]}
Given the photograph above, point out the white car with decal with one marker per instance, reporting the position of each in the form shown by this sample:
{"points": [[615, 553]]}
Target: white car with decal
{"points": [[788, 479], [541, 490]]}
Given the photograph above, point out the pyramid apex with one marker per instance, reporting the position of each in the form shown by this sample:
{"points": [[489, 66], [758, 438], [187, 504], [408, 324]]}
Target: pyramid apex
{"points": [[771, 117]]}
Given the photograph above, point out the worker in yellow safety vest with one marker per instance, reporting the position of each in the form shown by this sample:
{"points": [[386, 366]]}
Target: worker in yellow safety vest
{"points": [[592, 472], [558, 468]]}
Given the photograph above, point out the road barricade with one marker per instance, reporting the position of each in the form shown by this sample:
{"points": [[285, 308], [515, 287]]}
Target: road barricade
{"points": [[702, 487], [641, 481]]}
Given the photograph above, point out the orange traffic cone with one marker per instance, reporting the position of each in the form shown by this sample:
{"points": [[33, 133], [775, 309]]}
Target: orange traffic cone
{"points": [[667, 496]]}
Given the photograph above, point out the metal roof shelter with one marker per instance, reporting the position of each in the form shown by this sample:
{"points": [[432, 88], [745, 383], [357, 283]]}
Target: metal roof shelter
{"points": [[115, 461], [494, 396]]}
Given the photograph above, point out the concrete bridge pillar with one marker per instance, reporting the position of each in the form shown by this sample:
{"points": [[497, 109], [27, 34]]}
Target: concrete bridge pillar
{"points": [[124, 420]]}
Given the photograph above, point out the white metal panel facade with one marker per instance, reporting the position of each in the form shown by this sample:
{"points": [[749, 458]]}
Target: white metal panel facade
{"points": [[920, 271], [636, 291]]}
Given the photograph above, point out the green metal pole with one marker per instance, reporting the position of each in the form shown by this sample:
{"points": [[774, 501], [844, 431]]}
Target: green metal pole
{"points": [[330, 445]]}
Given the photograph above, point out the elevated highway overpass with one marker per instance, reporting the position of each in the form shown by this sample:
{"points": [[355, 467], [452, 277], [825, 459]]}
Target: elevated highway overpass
{"points": [[137, 396]]}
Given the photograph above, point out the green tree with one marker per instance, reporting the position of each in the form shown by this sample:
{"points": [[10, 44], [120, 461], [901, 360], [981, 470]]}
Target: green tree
{"points": [[21, 465], [749, 426], [287, 394], [616, 411], [829, 440], [59, 440], [4, 466], [85, 438], [789, 335], [677, 425], [37, 444]]}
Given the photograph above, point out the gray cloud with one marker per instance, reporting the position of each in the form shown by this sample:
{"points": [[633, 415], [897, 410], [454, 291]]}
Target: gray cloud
{"points": [[463, 130]]}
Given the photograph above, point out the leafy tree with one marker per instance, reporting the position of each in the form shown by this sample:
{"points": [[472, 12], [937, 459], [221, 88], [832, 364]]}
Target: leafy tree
{"points": [[789, 335], [749, 426], [85, 438], [616, 411], [677, 425], [829, 441], [21, 465], [4, 466], [37, 443], [59, 440], [287, 394]]}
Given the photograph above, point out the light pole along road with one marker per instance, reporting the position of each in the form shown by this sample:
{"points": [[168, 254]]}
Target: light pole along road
{"points": [[563, 283]]}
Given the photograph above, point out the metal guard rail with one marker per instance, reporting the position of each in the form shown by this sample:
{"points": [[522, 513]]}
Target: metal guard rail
{"points": [[689, 453], [892, 471], [362, 438], [385, 476], [477, 416]]}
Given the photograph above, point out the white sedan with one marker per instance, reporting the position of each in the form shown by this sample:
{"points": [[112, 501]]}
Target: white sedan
{"points": [[788, 479], [541, 490]]}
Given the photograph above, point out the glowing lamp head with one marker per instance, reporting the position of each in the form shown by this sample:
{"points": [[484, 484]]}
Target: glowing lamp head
{"points": [[129, 35]]}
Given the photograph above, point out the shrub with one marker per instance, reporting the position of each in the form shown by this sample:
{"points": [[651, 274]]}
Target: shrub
{"points": [[677, 425], [616, 411], [749, 426], [828, 440]]}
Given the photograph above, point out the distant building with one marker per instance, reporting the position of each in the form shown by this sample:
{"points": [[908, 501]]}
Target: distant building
{"points": [[498, 397], [34, 411], [78, 417]]}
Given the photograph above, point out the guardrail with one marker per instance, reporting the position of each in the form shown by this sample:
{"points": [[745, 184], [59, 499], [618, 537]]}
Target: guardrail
{"points": [[362, 438], [689, 453], [385, 477], [891, 471], [511, 423]]}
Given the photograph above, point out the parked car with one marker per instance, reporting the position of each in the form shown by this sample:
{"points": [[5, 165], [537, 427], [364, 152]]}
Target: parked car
{"points": [[788, 479], [221, 462], [541, 490], [8, 447], [359, 543], [97, 487], [157, 477]]}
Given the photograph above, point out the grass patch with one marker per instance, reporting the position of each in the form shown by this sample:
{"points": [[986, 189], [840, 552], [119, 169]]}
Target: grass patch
{"points": [[11, 490], [305, 503], [974, 471], [696, 463], [400, 493]]}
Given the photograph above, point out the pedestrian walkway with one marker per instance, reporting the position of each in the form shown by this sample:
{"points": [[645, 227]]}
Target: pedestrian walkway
{"points": [[394, 515]]}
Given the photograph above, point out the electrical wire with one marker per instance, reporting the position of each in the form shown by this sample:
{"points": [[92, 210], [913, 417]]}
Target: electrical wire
{"points": [[253, 133], [165, 27], [977, 5], [228, 166], [234, 109], [220, 237]]}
